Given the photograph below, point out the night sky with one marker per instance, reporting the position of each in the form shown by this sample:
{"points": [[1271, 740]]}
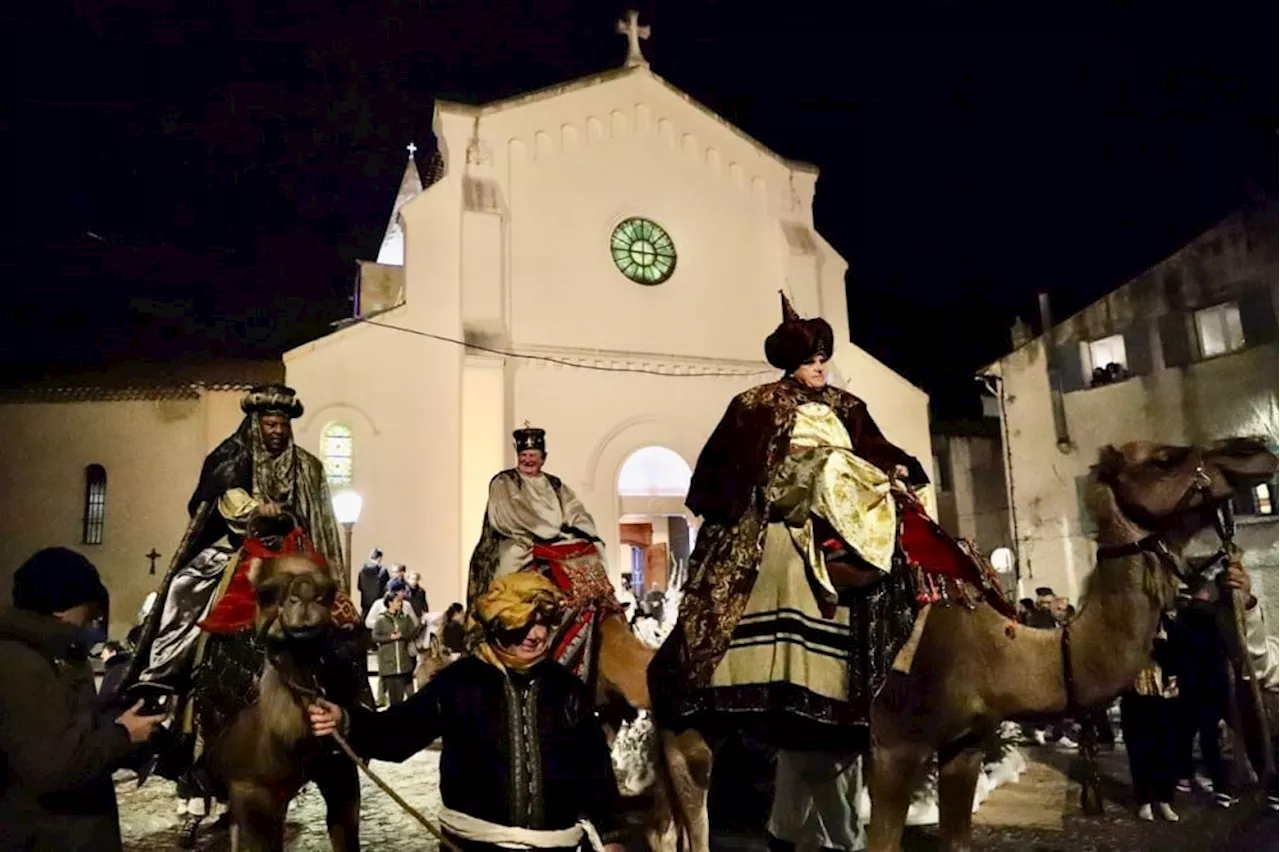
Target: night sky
{"points": [[183, 184]]}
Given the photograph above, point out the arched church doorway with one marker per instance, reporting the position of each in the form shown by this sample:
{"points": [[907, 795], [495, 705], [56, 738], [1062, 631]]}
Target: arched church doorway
{"points": [[653, 527]]}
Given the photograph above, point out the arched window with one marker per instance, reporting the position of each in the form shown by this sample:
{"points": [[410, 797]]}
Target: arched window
{"points": [[336, 451], [95, 503]]}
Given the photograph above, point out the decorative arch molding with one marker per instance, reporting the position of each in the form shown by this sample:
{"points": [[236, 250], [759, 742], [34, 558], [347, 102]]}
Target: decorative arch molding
{"points": [[338, 411], [605, 462]]}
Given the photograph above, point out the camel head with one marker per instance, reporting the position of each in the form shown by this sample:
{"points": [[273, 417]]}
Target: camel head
{"points": [[295, 597], [1170, 490]]}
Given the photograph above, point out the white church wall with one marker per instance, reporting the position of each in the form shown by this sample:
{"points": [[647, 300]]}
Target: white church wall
{"points": [[663, 159], [484, 441], [152, 451], [356, 376]]}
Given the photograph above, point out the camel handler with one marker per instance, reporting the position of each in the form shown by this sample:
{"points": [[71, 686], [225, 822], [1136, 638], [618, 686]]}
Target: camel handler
{"points": [[1260, 654], [524, 763], [534, 522]]}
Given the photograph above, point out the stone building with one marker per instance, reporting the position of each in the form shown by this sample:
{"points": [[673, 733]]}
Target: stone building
{"points": [[969, 478], [1184, 353], [603, 260], [104, 462]]}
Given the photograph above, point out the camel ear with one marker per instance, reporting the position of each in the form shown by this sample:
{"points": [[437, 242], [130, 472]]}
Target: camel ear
{"points": [[1110, 464], [1100, 501]]}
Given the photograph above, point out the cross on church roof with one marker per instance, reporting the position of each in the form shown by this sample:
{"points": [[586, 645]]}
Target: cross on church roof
{"points": [[630, 27], [412, 149]]}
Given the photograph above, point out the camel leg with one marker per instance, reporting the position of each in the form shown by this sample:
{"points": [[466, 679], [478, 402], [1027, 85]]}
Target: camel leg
{"points": [[894, 774], [259, 818], [687, 775], [957, 781], [340, 786]]}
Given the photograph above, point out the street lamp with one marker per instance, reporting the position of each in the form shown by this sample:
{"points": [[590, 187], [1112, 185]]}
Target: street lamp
{"points": [[346, 509]]}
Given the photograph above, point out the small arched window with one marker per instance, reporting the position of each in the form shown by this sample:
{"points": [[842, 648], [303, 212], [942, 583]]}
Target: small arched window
{"points": [[95, 503], [337, 452]]}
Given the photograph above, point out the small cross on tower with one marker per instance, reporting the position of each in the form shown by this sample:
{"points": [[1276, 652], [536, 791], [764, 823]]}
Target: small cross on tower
{"points": [[412, 149], [153, 556], [634, 32]]}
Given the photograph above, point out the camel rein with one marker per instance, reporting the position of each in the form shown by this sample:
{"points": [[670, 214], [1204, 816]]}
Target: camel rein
{"points": [[305, 696]]}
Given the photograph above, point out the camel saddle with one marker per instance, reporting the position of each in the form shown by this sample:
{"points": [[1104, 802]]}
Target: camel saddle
{"points": [[946, 570]]}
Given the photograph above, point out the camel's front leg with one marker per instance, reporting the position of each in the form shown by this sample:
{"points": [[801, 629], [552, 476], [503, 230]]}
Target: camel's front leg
{"points": [[339, 784], [687, 775], [258, 818], [895, 772], [957, 780]]}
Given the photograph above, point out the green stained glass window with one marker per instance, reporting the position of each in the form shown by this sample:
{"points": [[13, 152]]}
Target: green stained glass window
{"points": [[336, 451], [643, 251]]}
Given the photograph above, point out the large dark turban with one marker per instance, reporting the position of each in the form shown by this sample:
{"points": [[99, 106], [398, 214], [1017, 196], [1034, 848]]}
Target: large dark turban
{"points": [[797, 340]]}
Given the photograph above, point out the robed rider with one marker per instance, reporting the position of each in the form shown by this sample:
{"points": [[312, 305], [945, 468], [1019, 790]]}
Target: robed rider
{"points": [[798, 491], [534, 521], [257, 471]]}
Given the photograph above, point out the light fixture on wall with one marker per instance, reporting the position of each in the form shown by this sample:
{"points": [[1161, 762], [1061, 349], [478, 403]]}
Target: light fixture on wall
{"points": [[346, 509]]}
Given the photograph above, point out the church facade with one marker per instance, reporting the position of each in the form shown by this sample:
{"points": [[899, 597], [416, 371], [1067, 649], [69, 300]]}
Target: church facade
{"points": [[601, 259]]}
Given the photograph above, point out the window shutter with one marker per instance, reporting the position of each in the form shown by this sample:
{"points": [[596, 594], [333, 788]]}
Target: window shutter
{"points": [[1257, 317], [1070, 370], [1175, 341], [1137, 349], [1087, 525]]}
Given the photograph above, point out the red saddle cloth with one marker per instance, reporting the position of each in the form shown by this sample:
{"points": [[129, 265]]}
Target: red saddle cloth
{"points": [[940, 558], [237, 609], [581, 586]]}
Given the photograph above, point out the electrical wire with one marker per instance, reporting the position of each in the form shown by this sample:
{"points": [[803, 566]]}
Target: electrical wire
{"points": [[720, 374]]}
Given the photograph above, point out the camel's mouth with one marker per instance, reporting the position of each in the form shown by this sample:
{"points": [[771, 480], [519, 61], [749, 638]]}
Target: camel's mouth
{"points": [[305, 631]]}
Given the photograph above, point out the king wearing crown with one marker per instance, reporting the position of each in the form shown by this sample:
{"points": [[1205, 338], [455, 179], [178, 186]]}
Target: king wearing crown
{"points": [[534, 521]]}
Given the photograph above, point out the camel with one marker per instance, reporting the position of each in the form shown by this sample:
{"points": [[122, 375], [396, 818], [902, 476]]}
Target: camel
{"points": [[264, 752], [974, 668]]}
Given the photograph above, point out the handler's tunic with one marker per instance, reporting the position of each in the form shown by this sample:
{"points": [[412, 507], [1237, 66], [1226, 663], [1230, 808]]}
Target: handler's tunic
{"points": [[522, 750]]}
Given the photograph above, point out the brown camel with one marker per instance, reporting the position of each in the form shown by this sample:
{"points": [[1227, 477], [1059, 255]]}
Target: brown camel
{"points": [[973, 668], [266, 753]]}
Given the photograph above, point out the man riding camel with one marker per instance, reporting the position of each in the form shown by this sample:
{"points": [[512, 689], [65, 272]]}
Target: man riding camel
{"points": [[256, 473], [534, 521], [798, 596]]}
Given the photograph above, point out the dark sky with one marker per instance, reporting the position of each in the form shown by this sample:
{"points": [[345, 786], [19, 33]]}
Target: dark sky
{"points": [[201, 182]]}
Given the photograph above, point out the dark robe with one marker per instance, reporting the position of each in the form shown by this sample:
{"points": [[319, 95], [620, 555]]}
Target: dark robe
{"points": [[558, 772], [728, 491]]}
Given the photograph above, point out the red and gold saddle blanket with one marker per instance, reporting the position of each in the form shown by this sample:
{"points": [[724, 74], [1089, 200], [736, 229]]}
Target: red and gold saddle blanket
{"points": [[237, 609], [577, 570], [947, 570]]}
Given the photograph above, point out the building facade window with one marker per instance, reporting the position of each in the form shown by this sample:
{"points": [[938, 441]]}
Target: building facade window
{"points": [[95, 503], [337, 452], [1259, 500], [1105, 360], [1219, 329]]}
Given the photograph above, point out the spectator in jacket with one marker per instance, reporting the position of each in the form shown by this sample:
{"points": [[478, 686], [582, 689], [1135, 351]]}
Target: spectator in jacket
{"points": [[417, 596], [393, 634], [115, 662], [58, 755], [454, 632]]}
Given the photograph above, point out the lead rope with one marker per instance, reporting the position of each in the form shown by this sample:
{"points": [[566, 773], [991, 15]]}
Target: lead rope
{"points": [[305, 695]]}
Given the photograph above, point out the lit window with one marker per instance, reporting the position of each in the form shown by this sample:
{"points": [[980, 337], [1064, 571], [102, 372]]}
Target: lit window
{"points": [[336, 451], [1107, 351], [1262, 499], [643, 251], [1219, 329], [95, 503]]}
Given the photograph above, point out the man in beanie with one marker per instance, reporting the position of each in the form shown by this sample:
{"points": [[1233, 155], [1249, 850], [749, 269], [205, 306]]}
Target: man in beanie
{"points": [[58, 757], [524, 762]]}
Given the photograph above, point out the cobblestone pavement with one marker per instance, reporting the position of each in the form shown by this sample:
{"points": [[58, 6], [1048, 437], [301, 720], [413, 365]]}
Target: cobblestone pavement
{"points": [[149, 819]]}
